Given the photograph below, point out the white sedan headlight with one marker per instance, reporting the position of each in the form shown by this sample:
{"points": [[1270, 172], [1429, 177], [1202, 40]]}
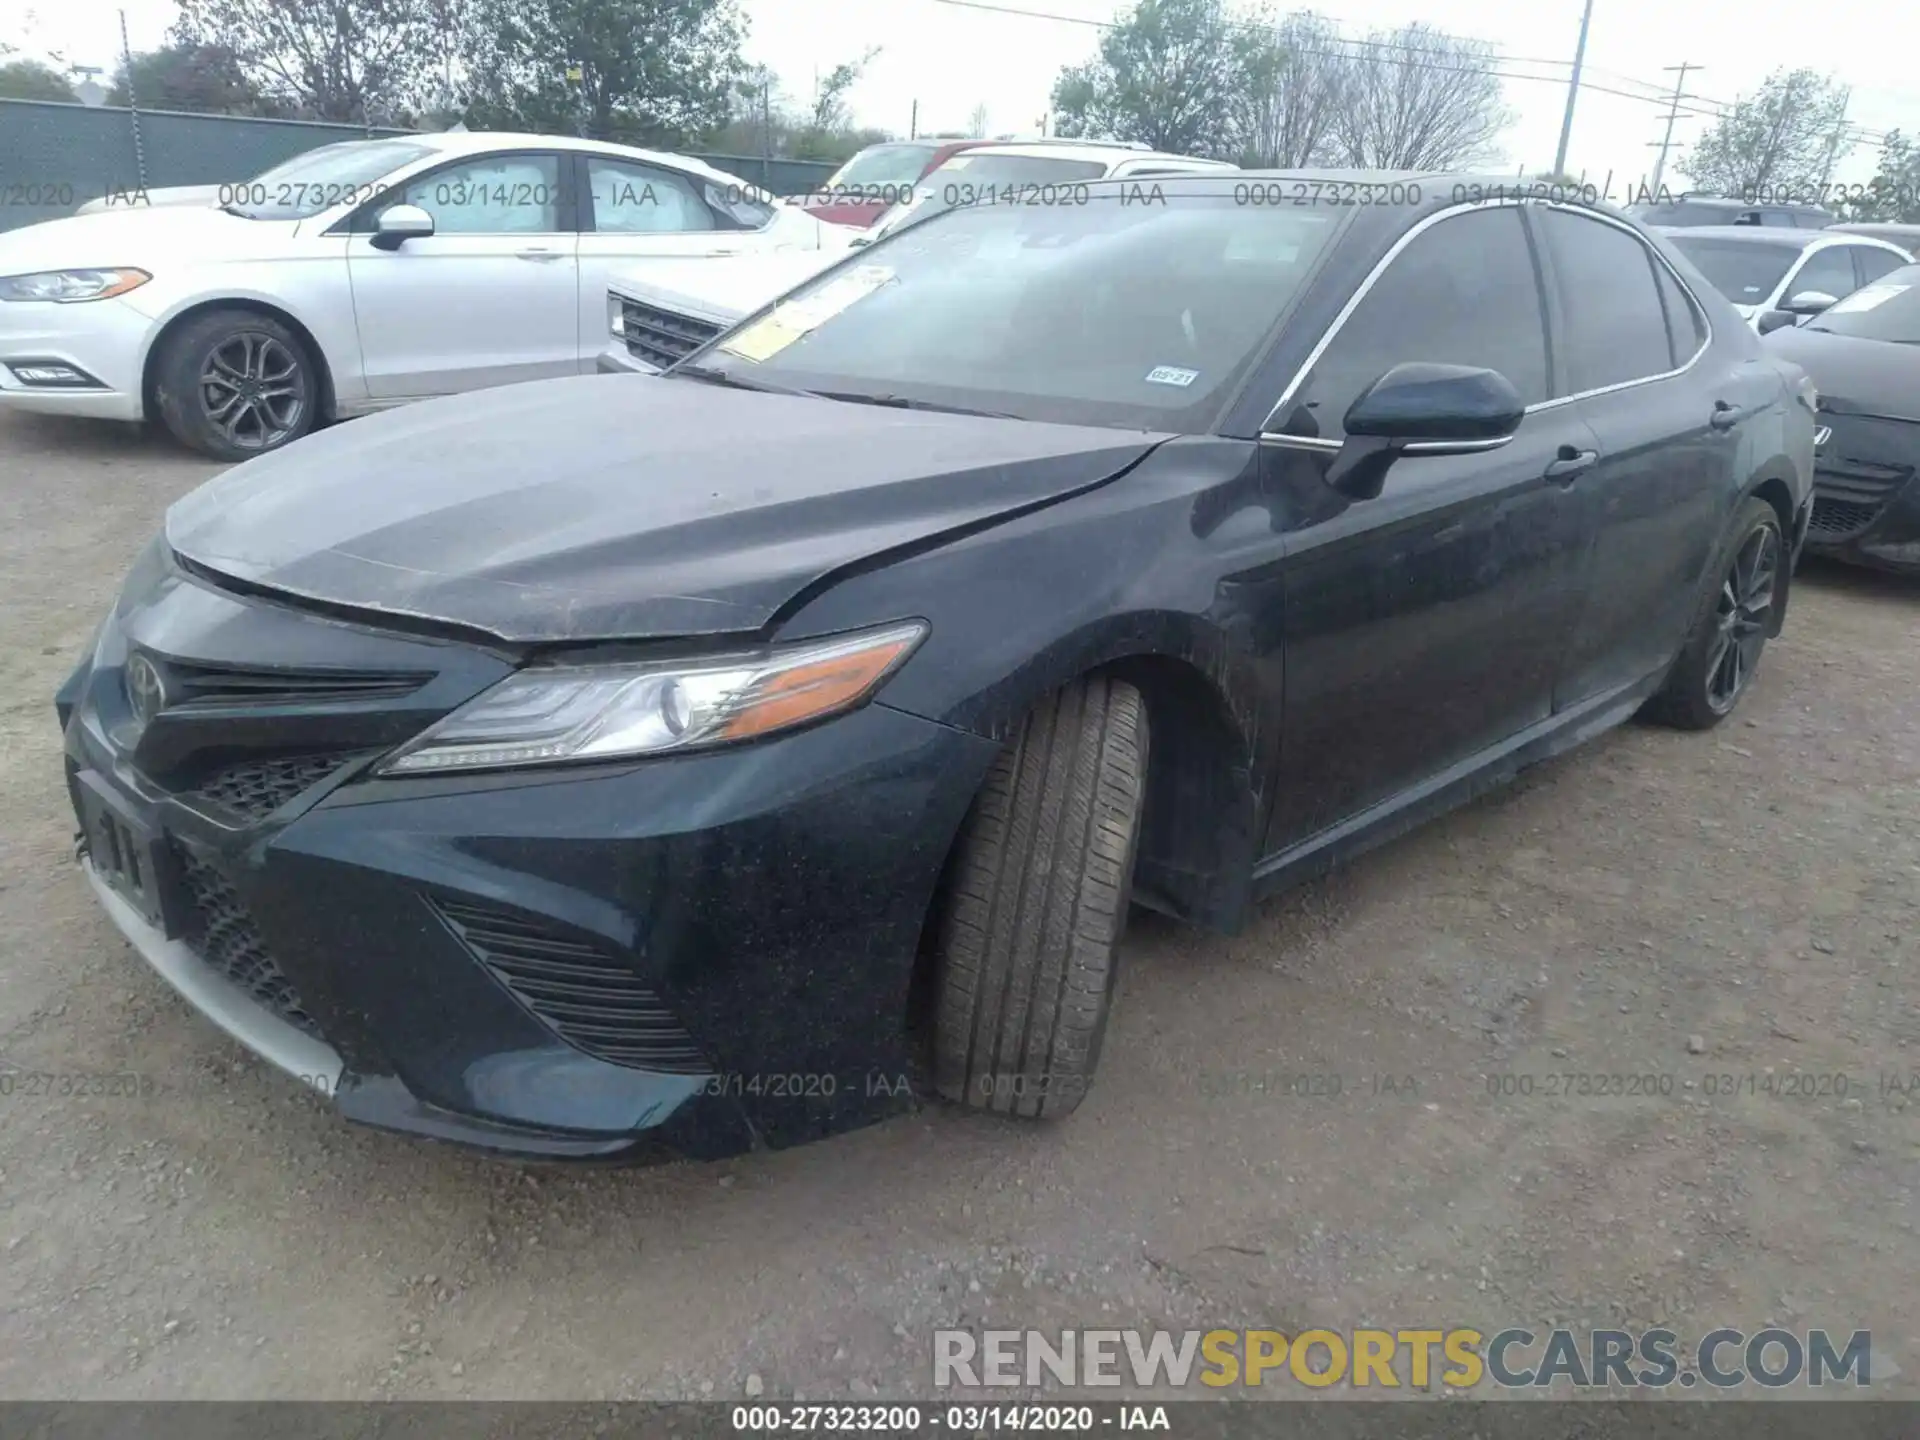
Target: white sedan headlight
{"points": [[552, 714], [67, 286]]}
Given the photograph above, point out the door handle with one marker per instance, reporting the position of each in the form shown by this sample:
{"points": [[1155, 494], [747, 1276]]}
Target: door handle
{"points": [[1726, 415], [536, 253], [1571, 462]]}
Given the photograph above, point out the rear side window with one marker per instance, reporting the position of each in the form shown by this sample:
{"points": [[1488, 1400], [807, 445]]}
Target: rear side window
{"points": [[1875, 263], [1615, 324], [1828, 271], [1685, 327], [1462, 293]]}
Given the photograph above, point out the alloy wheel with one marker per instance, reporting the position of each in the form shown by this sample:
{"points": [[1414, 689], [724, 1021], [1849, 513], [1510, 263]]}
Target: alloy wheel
{"points": [[251, 390], [1741, 617]]}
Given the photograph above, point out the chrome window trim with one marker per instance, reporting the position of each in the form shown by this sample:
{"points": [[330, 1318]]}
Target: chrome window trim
{"points": [[1554, 402]]}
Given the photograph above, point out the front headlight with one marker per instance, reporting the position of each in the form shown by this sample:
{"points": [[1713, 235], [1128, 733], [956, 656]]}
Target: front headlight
{"points": [[552, 714], [66, 286]]}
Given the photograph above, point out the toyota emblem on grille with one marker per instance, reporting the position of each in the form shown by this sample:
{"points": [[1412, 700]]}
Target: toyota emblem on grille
{"points": [[146, 690]]}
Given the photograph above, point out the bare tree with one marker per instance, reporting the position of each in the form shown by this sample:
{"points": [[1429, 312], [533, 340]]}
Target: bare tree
{"points": [[1417, 99], [1784, 140], [830, 95], [1290, 85], [977, 123]]}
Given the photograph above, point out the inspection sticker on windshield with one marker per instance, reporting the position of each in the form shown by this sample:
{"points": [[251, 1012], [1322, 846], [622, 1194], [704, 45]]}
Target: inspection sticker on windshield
{"points": [[1866, 298], [1172, 375], [797, 318]]}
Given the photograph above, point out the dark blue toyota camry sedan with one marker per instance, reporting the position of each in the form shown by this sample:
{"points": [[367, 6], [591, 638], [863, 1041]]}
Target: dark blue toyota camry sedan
{"points": [[719, 759]]}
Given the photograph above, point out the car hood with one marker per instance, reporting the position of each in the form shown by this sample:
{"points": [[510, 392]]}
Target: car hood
{"points": [[1854, 375], [148, 237], [624, 506], [722, 289]]}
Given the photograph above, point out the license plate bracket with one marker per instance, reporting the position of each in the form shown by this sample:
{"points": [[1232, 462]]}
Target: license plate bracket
{"points": [[126, 852]]}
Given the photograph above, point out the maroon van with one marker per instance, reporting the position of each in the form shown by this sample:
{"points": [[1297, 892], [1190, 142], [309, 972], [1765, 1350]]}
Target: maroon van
{"points": [[877, 179]]}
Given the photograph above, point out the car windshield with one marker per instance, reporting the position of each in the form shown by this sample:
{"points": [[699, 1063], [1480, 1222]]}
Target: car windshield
{"points": [[1746, 272], [1888, 309], [971, 178], [1101, 312], [319, 179], [883, 165]]}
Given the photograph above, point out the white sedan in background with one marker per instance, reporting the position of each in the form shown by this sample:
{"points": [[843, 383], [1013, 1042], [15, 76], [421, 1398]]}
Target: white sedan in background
{"points": [[357, 276]]}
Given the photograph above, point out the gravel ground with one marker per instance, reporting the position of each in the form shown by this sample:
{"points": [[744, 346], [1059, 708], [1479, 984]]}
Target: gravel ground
{"points": [[1740, 904]]}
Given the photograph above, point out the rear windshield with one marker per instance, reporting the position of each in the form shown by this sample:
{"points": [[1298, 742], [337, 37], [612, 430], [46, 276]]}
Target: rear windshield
{"points": [[1888, 309], [1745, 272], [1685, 212], [883, 166]]}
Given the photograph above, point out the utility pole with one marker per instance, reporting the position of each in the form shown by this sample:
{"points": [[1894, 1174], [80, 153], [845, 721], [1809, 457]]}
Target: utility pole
{"points": [[913, 124], [1836, 142], [1573, 91], [1673, 113]]}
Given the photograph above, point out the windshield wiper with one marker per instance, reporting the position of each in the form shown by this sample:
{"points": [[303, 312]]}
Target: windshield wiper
{"points": [[715, 376], [902, 402]]}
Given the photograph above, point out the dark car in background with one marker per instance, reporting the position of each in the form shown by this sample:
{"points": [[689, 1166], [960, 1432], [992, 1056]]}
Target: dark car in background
{"points": [[1864, 357], [878, 178], [1780, 277], [1691, 210], [689, 758]]}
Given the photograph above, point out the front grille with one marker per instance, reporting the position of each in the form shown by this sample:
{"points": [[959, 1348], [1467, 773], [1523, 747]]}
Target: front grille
{"points": [[192, 685], [586, 995], [223, 934], [254, 789], [662, 337], [1839, 519]]}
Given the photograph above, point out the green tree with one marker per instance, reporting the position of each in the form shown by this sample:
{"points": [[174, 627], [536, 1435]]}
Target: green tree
{"points": [[1894, 194], [31, 80], [656, 72], [1783, 141], [1166, 74], [359, 61], [185, 75]]}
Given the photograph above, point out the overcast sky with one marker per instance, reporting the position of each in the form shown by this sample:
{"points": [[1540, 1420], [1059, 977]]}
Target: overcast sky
{"points": [[952, 59]]}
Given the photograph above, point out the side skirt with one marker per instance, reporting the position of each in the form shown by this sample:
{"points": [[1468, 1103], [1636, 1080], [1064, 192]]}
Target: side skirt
{"points": [[1451, 788]]}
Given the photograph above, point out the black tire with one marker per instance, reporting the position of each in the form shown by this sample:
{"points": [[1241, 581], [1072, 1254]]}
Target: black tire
{"points": [[267, 373], [1035, 904], [1729, 628]]}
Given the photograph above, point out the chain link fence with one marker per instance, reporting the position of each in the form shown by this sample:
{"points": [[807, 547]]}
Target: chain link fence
{"points": [[55, 157]]}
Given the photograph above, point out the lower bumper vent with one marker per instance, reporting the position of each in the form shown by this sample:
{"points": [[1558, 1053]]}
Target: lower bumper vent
{"points": [[581, 991], [222, 933], [255, 789]]}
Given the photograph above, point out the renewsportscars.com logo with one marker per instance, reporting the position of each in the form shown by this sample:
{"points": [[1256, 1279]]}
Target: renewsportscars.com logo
{"points": [[1458, 1359]]}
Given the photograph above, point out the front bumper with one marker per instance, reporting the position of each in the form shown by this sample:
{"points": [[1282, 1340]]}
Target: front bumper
{"points": [[105, 339], [1866, 493], [703, 954]]}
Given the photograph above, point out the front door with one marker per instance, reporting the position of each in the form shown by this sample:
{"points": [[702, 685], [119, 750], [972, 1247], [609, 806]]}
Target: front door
{"points": [[489, 298], [1423, 627]]}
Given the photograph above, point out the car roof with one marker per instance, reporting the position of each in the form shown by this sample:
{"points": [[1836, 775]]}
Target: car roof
{"points": [[1877, 230], [1751, 234], [470, 142], [1110, 152], [1731, 203]]}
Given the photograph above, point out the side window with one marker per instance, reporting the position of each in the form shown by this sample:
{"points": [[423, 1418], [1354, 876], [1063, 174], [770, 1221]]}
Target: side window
{"points": [[1462, 293], [1616, 327], [1685, 328], [1829, 271], [1780, 217], [1875, 263], [639, 199], [492, 195]]}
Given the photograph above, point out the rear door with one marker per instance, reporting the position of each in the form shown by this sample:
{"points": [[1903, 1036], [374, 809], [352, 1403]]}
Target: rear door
{"points": [[487, 299], [1422, 627], [1668, 412]]}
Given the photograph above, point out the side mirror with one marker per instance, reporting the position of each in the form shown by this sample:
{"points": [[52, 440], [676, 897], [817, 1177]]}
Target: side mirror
{"points": [[1772, 320], [1425, 409], [1809, 302], [400, 223]]}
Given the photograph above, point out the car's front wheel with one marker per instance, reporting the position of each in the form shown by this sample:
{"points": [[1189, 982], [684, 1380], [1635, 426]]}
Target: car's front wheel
{"points": [[1722, 650], [236, 383], [1035, 903]]}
